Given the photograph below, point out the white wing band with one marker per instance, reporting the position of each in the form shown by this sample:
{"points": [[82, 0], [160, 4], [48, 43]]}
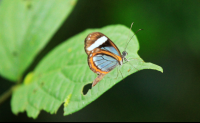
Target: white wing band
{"points": [[97, 43]]}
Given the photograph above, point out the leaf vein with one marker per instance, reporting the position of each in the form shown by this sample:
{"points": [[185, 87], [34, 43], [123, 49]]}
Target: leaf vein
{"points": [[51, 95]]}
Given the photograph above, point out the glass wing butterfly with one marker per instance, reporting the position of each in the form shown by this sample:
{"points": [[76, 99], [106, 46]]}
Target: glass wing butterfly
{"points": [[103, 55]]}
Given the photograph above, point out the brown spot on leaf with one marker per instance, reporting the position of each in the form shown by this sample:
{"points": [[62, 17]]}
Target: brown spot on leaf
{"points": [[35, 90], [29, 6], [42, 83], [14, 53]]}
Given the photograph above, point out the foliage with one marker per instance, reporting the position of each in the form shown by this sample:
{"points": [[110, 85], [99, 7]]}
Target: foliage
{"points": [[60, 76], [26, 27]]}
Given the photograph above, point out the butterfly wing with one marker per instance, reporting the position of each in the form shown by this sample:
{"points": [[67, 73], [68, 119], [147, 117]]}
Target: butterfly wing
{"points": [[103, 63], [103, 55], [98, 40]]}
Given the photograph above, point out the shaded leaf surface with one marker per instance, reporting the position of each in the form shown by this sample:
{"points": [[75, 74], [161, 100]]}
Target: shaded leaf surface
{"points": [[25, 27], [62, 74]]}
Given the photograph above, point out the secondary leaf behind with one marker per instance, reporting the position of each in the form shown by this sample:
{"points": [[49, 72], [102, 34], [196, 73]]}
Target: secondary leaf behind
{"points": [[25, 28]]}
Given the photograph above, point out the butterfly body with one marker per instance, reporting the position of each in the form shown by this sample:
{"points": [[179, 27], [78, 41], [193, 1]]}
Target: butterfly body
{"points": [[103, 54]]}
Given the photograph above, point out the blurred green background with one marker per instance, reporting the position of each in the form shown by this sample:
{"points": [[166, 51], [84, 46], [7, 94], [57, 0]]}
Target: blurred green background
{"points": [[170, 39]]}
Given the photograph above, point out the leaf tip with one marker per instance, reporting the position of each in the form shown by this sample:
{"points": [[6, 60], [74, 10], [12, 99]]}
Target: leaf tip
{"points": [[153, 66], [160, 69]]}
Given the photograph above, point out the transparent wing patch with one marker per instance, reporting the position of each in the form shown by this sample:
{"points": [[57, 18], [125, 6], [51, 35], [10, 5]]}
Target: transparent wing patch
{"points": [[111, 49], [105, 62]]}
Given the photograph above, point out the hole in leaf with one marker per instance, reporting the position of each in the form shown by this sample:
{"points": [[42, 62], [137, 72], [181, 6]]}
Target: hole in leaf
{"points": [[86, 88]]}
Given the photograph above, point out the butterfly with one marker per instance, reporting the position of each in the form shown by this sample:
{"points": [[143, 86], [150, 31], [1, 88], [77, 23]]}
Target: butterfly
{"points": [[103, 54]]}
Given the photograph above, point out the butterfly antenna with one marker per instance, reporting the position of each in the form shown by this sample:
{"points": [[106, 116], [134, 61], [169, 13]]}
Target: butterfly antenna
{"points": [[129, 31], [131, 38]]}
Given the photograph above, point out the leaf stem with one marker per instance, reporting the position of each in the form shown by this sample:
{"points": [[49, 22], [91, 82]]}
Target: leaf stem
{"points": [[5, 95], [8, 93]]}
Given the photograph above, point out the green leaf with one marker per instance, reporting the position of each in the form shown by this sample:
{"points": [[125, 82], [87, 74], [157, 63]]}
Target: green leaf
{"points": [[62, 74], [26, 26]]}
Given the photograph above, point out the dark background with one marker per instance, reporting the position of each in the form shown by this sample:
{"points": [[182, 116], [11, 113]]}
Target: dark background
{"points": [[170, 39]]}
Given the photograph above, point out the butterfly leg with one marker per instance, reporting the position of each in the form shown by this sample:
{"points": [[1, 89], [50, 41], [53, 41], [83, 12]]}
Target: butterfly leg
{"points": [[127, 60], [121, 73], [135, 59], [133, 66], [117, 73]]}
